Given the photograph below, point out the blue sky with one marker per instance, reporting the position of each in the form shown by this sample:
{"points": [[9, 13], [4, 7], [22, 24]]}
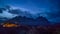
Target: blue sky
{"points": [[46, 8]]}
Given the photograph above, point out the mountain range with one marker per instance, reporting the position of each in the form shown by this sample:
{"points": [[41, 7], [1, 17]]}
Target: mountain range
{"points": [[40, 21]]}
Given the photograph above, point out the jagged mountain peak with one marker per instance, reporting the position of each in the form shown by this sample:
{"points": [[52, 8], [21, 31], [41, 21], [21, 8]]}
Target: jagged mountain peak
{"points": [[29, 21]]}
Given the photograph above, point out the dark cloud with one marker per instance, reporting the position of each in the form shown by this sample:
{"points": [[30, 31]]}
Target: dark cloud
{"points": [[1, 11], [20, 12]]}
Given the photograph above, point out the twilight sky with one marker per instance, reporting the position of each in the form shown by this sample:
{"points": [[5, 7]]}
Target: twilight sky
{"points": [[46, 8]]}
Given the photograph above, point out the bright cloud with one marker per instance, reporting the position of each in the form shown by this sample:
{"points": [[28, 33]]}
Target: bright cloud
{"points": [[7, 14]]}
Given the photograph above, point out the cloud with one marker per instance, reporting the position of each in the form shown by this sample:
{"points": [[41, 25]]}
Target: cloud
{"points": [[13, 12], [20, 12], [7, 14]]}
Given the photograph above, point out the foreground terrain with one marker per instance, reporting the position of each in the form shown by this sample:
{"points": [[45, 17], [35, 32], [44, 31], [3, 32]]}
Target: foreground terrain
{"points": [[27, 29]]}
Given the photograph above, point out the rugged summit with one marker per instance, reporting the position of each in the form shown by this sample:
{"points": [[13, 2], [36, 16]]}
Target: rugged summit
{"points": [[29, 21]]}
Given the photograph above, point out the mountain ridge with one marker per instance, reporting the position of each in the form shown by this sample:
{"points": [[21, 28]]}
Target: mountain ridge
{"points": [[29, 21]]}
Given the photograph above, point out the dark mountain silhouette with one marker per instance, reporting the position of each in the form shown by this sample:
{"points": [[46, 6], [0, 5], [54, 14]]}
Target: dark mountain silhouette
{"points": [[42, 20], [29, 21]]}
